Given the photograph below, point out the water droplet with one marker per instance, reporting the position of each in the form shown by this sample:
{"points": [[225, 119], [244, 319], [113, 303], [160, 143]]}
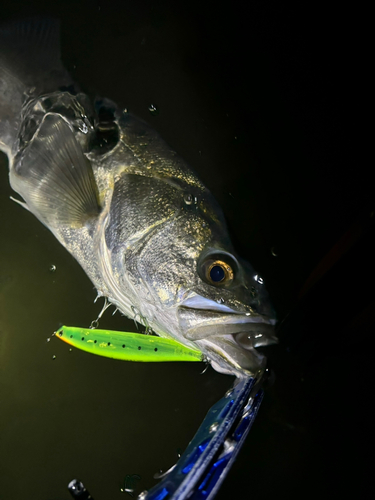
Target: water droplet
{"points": [[273, 252], [153, 109], [213, 427], [188, 199], [48, 339], [52, 268], [53, 357], [84, 128], [70, 350], [259, 279]]}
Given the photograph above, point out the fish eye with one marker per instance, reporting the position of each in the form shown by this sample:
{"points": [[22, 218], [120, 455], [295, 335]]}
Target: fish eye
{"points": [[217, 268], [219, 271]]}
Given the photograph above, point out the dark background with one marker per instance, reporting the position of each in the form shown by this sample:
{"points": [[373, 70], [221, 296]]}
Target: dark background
{"points": [[268, 104]]}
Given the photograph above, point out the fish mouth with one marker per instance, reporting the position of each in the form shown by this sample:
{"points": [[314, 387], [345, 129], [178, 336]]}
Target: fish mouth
{"points": [[228, 338]]}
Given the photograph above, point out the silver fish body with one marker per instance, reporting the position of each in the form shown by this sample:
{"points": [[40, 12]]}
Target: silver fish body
{"points": [[147, 232]]}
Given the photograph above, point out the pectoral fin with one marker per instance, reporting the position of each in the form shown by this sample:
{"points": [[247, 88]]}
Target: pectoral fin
{"points": [[55, 178]]}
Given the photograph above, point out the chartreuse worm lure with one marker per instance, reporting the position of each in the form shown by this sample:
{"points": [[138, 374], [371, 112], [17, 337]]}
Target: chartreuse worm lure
{"points": [[127, 346]]}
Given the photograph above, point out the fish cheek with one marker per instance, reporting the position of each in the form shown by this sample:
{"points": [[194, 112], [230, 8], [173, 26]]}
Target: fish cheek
{"points": [[168, 262]]}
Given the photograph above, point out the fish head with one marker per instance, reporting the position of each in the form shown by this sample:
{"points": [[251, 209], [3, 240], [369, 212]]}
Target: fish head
{"points": [[171, 255], [199, 291], [228, 313]]}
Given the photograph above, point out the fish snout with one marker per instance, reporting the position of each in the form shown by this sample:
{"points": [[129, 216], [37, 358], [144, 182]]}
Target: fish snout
{"points": [[229, 340]]}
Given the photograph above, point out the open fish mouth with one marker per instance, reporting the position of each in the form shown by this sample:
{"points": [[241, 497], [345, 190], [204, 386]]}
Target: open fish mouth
{"points": [[229, 338]]}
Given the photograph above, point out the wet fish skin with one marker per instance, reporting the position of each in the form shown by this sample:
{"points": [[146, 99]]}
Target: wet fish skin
{"points": [[127, 207]]}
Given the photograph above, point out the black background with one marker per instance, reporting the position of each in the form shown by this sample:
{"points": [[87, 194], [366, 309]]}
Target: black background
{"points": [[268, 104]]}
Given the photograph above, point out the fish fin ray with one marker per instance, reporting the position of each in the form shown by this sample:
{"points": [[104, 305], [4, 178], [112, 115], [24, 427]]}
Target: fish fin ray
{"points": [[21, 203], [55, 178]]}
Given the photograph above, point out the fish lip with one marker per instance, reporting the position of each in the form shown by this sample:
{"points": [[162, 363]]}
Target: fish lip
{"points": [[256, 330], [229, 339], [227, 357], [198, 324]]}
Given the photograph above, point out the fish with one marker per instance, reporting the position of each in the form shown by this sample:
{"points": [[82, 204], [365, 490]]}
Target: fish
{"points": [[149, 235]]}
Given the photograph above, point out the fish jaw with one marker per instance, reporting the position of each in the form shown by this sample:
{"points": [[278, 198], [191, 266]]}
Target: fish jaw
{"points": [[229, 339], [228, 357]]}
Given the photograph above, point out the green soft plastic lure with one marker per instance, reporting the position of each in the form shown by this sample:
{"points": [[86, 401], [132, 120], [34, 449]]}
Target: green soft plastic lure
{"points": [[127, 346]]}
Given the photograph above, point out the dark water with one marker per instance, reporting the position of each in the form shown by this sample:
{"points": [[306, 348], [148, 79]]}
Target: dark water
{"points": [[260, 102]]}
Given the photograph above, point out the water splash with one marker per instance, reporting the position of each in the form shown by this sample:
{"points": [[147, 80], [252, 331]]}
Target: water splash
{"points": [[153, 109]]}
